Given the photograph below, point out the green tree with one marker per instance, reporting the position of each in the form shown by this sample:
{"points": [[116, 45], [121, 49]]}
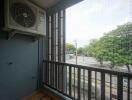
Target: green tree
{"points": [[94, 49], [80, 51], [119, 46], [90, 49], [70, 48], [115, 46]]}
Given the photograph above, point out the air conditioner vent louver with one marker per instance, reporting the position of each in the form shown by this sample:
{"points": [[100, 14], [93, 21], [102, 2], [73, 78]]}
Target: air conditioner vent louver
{"points": [[23, 15]]}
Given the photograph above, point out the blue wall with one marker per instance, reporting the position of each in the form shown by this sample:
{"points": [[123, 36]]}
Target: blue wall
{"points": [[20, 61]]}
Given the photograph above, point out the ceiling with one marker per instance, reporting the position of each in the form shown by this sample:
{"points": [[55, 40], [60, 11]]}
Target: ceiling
{"points": [[45, 3]]}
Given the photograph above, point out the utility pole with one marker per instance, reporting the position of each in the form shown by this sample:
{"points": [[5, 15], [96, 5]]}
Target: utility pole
{"points": [[76, 50]]}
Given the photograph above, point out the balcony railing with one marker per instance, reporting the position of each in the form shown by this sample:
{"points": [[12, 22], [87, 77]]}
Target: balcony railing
{"points": [[88, 83]]}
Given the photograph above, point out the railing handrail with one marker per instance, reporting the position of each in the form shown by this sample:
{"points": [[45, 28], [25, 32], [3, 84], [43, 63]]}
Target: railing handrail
{"points": [[102, 70]]}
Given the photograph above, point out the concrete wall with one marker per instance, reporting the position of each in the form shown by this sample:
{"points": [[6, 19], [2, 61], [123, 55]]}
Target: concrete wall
{"points": [[20, 61]]}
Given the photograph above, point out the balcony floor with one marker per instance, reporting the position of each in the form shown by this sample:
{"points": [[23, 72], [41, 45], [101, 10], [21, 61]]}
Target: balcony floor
{"points": [[41, 95]]}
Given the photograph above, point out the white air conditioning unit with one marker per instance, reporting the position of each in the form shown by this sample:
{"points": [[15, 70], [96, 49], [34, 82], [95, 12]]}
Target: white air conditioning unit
{"points": [[24, 16]]}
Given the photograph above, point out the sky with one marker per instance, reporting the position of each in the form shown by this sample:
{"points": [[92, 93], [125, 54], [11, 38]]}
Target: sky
{"points": [[90, 19]]}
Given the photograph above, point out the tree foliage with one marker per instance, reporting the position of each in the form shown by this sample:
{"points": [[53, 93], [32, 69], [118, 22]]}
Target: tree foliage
{"points": [[70, 48], [80, 51], [115, 46]]}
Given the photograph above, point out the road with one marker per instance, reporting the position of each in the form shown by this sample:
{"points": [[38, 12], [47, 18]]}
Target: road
{"points": [[92, 62], [87, 61]]}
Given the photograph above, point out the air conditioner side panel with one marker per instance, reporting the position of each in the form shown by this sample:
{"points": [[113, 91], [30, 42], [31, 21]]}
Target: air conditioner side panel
{"points": [[41, 22]]}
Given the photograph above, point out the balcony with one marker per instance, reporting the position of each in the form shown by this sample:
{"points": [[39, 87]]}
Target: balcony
{"points": [[22, 69], [87, 83]]}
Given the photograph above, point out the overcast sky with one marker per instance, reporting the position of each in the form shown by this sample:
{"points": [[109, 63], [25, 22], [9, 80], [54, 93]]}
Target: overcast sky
{"points": [[92, 18]]}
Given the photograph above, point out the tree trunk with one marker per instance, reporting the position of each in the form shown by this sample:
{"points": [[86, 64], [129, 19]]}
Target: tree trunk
{"points": [[128, 67]]}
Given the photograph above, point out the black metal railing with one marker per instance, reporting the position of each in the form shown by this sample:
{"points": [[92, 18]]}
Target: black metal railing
{"points": [[87, 83]]}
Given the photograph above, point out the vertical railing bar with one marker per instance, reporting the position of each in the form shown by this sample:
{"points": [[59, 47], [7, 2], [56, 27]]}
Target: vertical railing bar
{"points": [[74, 82], [83, 84], [70, 80], [128, 89], [66, 79], [95, 85], [102, 86], [52, 78], [49, 73], [79, 80], [46, 73], [62, 77], [120, 87], [89, 85], [58, 76], [110, 87], [54, 75]]}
